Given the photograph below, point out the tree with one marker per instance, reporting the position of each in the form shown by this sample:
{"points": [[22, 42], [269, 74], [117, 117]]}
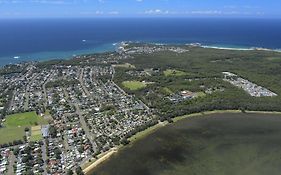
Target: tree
{"points": [[26, 129], [124, 141], [69, 172], [81, 149], [53, 131], [79, 171], [57, 152], [16, 151]]}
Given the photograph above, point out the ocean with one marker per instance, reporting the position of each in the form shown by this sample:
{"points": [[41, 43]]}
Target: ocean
{"points": [[44, 39]]}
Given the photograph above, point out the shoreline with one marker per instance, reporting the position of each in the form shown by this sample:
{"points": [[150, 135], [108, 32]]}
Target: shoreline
{"points": [[67, 55], [138, 136], [241, 49], [105, 156], [214, 46]]}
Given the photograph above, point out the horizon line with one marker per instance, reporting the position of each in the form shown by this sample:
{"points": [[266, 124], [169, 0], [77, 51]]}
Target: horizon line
{"points": [[146, 17]]}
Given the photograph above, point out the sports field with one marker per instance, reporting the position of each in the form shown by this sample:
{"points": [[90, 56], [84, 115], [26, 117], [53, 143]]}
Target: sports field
{"points": [[15, 125], [174, 72], [125, 65], [24, 119], [134, 85], [36, 134]]}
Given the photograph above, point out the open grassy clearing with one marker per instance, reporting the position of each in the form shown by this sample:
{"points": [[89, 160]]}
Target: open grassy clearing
{"points": [[167, 91], [134, 85], [24, 119], [10, 134], [174, 72], [15, 125], [36, 134], [200, 94], [273, 58], [125, 65]]}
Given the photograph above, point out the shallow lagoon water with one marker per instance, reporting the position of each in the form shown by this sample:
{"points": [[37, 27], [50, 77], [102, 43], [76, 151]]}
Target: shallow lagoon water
{"points": [[217, 144]]}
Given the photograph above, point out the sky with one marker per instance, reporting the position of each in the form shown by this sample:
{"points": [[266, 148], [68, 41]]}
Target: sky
{"points": [[139, 8]]}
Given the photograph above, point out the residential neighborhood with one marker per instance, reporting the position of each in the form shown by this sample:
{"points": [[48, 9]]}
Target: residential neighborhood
{"points": [[251, 88], [87, 113]]}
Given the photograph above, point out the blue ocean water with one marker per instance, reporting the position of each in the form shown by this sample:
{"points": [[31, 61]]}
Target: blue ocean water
{"points": [[42, 39]]}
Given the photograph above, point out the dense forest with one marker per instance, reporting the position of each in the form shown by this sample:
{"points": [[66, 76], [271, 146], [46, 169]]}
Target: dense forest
{"points": [[203, 70]]}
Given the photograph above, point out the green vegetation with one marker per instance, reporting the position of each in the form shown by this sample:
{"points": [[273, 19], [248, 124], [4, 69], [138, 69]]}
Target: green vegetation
{"points": [[10, 69], [200, 70], [24, 119], [9, 134], [174, 72], [167, 91], [1, 102], [274, 58], [125, 65], [146, 132], [36, 134], [134, 85], [15, 125], [61, 83], [200, 94]]}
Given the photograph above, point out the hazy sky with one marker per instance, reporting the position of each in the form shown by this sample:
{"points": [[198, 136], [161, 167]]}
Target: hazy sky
{"points": [[140, 8]]}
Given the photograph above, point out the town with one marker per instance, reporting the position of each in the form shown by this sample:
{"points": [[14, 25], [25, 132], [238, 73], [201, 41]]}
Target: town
{"points": [[60, 116], [87, 113], [251, 88]]}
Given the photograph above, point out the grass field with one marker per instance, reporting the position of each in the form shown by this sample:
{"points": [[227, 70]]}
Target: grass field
{"points": [[36, 134], [125, 65], [174, 72], [15, 124], [167, 91], [10, 134], [200, 94], [24, 119], [134, 85]]}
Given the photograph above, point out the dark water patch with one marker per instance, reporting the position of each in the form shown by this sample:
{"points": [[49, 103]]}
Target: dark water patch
{"points": [[219, 144]]}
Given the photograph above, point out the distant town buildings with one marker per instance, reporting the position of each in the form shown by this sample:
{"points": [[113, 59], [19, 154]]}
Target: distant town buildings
{"points": [[251, 88]]}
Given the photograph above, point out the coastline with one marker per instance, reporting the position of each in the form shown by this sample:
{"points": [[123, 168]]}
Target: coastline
{"points": [[52, 55], [107, 155], [138, 136], [103, 157], [111, 47], [241, 49]]}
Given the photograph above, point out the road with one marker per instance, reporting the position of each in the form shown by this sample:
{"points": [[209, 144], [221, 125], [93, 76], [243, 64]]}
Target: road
{"points": [[83, 85], [44, 156], [81, 120], [12, 159], [45, 92], [26, 103]]}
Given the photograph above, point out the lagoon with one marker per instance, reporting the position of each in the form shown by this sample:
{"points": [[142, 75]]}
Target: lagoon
{"points": [[215, 144]]}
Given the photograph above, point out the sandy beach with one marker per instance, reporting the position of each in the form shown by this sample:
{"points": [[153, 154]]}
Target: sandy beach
{"points": [[240, 49], [105, 157]]}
